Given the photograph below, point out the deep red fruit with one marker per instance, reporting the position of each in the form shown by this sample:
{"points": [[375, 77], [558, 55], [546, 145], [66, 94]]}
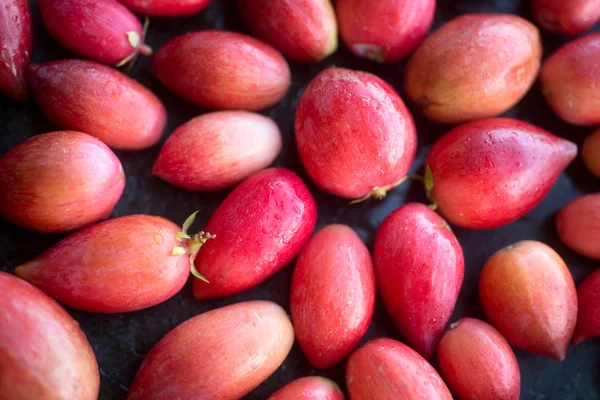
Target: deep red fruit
{"points": [[260, 227], [59, 182], [567, 17], [419, 267], [16, 45], [491, 172], [332, 295], [588, 317], [89, 97], [590, 152], [309, 388], [355, 136], [578, 225], [43, 352], [166, 8]]}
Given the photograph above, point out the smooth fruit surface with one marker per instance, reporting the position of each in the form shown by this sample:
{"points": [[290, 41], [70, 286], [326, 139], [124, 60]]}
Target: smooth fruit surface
{"points": [[566, 17], [588, 318], [590, 152], [166, 8], [309, 388], [16, 45], [578, 225]]}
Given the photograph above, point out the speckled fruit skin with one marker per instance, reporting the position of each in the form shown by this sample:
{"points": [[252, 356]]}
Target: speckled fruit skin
{"points": [[569, 81], [419, 266], [475, 66], [578, 225], [588, 318], [260, 227], [384, 30], [528, 294], [590, 152], [43, 352], [477, 362], [566, 17], [385, 369], [309, 388], [16, 44], [221, 354], [218, 150], [332, 295], [89, 97], [124, 264], [353, 133], [491, 172], [59, 182], [166, 8], [223, 70], [302, 30]]}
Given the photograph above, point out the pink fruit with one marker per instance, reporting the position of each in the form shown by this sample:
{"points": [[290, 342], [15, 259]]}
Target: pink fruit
{"points": [[221, 354], [16, 45], [223, 70], [567, 17], [478, 363], [43, 352], [488, 173], [303, 30], [218, 150], [528, 294], [332, 295], [355, 136], [260, 227], [590, 152], [59, 182], [384, 30], [475, 66], [309, 388], [385, 369], [578, 225], [92, 98], [166, 8], [588, 318], [419, 267]]}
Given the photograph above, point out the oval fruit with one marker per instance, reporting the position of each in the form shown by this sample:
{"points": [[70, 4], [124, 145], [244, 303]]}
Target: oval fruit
{"points": [[220, 354], [355, 136], [309, 388], [218, 150], [89, 97], [16, 42], [528, 294], [332, 295], [488, 173], [166, 8], [590, 152], [475, 66], [578, 225], [59, 182], [588, 318], [566, 17], [223, 70]]}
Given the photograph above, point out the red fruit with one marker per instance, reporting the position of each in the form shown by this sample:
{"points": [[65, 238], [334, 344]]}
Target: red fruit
{"points": [[491, 172], [221, 354], [167, 8], [332, 295], [92, 98], [222, 70], [101, 30], [355, 136], [590, 152], [218, 150], [303, 30], [309, 388], [588, 318], [384, 30], [528, 294], [578, 225], [567, 17], [16, 45], [44, 354], [419, 267], [478, 363], [385, 369], [59, 182], [260, 227]]}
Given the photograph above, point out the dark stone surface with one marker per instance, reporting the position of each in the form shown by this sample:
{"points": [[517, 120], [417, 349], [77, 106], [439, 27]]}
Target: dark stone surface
{"points": [[121, 341]]}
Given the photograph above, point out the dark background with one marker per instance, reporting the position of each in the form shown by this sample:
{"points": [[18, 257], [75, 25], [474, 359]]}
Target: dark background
{"points": [[121, 341]]}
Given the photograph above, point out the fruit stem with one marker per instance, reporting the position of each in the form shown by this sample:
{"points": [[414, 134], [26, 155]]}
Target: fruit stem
{"points": [[139, 47], [380, 192], [193, 244]]}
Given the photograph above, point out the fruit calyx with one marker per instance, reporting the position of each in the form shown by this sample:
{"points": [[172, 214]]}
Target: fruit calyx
{"points": [[138, 44], [379, 192], [191, 244]]}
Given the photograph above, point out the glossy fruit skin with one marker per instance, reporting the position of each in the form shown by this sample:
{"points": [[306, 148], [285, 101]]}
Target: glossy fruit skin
{"points": [[477, 362], [578, 225], [528, 294], [233, 349], [260, 227], [588, 318], [89, 97], [59, 182], [332, 295], [218, 150], [385, 30], [16, 46], [120, 265], [309, 388], [475, 66], [43, 352], [590, 152], [491, 172], [567, 18], [419, 266], [385, 369], [222, 70], [353, 133], [166, 8], [302, 30]]}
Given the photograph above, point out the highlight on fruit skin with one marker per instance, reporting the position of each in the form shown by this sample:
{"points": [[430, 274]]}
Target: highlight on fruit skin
{"points": [[309, 388], [166, 8], [16, 42], [578, 225], [590, 152], [588, 318], [566, 17]]}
